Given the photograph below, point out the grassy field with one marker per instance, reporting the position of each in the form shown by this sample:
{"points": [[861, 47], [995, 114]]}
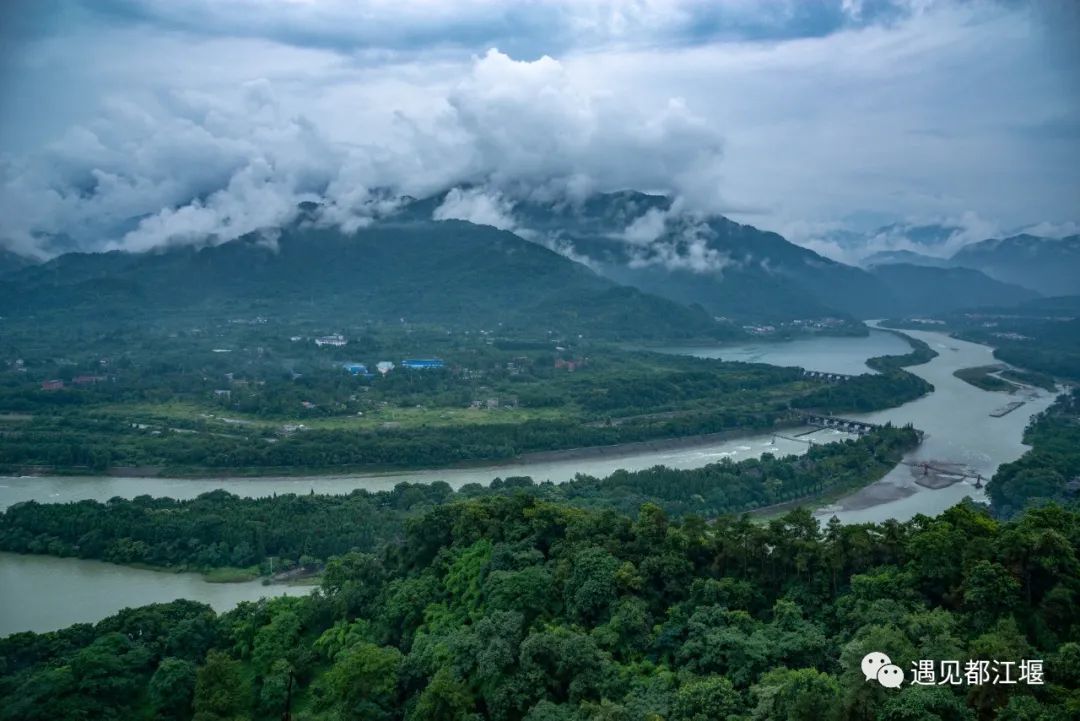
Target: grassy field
{"points": [[209, 418]]}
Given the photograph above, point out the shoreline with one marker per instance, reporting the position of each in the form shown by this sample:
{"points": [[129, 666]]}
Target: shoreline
{"points": [[223, 576], [563, 454]]}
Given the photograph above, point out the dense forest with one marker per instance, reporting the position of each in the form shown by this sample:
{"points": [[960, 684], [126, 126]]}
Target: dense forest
{"points": [[512, 607], [218, 529], [1050, 471]]}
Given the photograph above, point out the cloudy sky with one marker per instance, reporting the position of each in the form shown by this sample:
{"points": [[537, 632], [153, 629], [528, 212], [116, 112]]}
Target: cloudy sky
{"points": [[138, 123]]}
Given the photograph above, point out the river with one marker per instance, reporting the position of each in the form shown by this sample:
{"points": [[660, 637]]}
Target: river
{"points": [[960, 433], [830, 355], [59, 489], [43, 593], [39, 592], [959, 430]]}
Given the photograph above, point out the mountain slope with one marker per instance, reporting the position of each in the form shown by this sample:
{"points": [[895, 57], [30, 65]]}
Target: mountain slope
{"points": [[1047, 265], [452, 273], [11, 261], [730, 269], [922, 289], [906, 257]]}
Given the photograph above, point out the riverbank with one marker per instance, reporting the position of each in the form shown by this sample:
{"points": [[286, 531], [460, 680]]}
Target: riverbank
{"points": [[44, 593], [613, 451], [962, 432], [902, 350]]}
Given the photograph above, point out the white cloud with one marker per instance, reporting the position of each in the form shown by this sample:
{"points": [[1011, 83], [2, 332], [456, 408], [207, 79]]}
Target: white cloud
{"points": [[687, 248], [479, 206], [931, 110]]}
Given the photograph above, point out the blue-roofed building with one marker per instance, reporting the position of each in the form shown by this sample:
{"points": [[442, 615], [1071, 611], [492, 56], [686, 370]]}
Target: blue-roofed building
{"points": [[357, 369], [422, 363]]}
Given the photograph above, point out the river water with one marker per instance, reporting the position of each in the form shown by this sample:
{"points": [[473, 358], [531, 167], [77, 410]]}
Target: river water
{"points": [[42, 593], [39, 592], [59, 489], [959, 430], [830, 355]]}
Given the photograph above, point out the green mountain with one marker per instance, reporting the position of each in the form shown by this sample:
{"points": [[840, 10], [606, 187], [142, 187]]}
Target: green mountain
{"points": [[739, 271], [1047, 265], [451, 273], [923, 289], [10, 261]]}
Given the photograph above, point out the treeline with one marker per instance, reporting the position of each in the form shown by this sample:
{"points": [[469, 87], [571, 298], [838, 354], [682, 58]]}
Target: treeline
{"points": [[219, 529], [920, 353], [730, 487], [100, 444], [512, 608], [1050, 471], [866, 393], [890, 387]]}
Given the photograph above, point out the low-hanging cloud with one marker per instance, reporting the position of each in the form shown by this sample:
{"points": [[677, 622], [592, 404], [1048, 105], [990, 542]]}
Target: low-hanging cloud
{"points": [[232, 119], [197, 169]]}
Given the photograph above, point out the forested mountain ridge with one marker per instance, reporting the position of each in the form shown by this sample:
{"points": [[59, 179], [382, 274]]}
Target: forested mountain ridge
{"points": [[665, 272], [11, 261], [453, 273], [927, 290], [731, 269]]}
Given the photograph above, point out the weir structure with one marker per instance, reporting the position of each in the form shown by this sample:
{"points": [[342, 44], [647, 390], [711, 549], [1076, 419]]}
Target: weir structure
{"points": [[844, 424]]}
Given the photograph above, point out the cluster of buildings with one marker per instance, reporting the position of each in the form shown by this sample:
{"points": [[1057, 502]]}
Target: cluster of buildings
{"points": [[83, 380], [812, 325], [384, 367], [570, 365], [494, 403]]}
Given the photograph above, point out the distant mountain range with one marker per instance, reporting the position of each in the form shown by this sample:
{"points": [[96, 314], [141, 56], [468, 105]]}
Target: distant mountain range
{"points": [[620, 264], [1047, 265], [1050, 266], [739, 271], [907, 257]]}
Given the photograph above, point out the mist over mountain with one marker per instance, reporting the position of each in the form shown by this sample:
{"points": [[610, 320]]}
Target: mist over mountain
{"points": [[619, 264], [907, 257], [10, 261], [653, 242], [1049, 265], [452, 273]]}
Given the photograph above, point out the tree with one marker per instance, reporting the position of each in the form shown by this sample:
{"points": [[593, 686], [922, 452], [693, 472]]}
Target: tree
{"points": [[222, 689], [990, 590], [363, 682], [711, 698], [591, 586], [172, 688], [791, 695], [918, 703], [445, 698]]}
